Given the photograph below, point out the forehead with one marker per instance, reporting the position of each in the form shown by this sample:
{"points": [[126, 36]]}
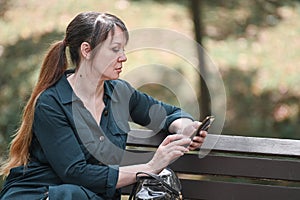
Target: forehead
{"points": [[116, 36]]}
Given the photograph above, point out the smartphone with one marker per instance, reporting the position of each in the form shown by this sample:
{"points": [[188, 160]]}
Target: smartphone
{"points": [[206, 123]]}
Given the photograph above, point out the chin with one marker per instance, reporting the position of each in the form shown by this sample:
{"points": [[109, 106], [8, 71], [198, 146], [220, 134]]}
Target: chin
{"points": [[110, 76], [114, 77]]}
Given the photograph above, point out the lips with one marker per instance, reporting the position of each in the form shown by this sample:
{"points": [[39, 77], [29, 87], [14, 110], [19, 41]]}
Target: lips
{"points": [[119, 69]]}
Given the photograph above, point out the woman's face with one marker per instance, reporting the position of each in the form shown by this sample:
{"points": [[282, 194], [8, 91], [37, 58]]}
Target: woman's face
{"points": [[110, 56]]}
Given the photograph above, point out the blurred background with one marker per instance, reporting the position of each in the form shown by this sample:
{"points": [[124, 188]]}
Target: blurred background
{"points": [[254, 43]]}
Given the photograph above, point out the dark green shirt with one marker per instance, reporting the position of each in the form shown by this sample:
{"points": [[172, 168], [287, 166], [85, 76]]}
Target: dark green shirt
{"points": [[70, 148]]}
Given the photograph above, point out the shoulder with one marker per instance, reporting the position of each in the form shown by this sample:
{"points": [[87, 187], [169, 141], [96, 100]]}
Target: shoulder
{"points": [[119, 90], [47, 95], [47, 102], [61, 92]]}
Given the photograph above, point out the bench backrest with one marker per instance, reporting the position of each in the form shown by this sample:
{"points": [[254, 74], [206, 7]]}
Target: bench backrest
{"points": [[236, 167]]}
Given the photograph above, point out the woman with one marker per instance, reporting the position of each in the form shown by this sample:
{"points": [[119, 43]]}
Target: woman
{"points": [[75, 124]]}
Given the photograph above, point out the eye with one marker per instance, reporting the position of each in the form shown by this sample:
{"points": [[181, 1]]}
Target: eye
{"points": [[116, 49]]}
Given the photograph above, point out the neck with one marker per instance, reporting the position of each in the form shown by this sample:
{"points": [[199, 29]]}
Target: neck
{"points": [[86, 87]]}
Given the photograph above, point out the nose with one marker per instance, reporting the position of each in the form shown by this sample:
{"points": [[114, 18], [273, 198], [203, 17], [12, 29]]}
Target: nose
{"points": [[122, 58]]}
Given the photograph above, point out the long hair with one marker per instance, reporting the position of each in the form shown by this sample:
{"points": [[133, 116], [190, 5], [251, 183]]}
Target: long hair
{"points": [[54, 65], [91, 27]]}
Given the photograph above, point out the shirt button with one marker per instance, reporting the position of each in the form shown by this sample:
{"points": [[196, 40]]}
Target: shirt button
{"points": [[105, 112], [101, 138]]}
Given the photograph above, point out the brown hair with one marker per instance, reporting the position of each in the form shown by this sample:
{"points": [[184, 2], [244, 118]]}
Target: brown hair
{"points": [[91, 27]]}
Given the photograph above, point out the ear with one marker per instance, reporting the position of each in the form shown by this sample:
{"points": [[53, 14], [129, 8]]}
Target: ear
{"points": [[85, 49]]}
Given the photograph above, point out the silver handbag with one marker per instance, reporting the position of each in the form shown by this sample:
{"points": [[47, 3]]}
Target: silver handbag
{"points": [[164, 186]]}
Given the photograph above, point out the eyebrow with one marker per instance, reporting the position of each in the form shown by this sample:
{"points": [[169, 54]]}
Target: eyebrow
{"points": [[120, 43]]}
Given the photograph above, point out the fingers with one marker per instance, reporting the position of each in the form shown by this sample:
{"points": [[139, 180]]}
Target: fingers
{"points": [[170, 149], [198, 141], [203, 134], [175, 145]]}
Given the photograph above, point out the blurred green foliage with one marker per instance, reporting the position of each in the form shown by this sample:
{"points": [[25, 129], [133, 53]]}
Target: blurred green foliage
{"points": [[232, 18], [245, 38], [19, 65], [255, 45]]}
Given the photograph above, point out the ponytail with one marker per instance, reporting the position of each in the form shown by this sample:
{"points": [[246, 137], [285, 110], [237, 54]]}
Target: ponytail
{"points": [[53, 67]]}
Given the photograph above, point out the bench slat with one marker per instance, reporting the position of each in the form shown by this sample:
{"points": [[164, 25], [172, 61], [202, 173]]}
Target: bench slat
{"points": [[239, 166], [270, 146], [134, 157], [225, 190], [202, 189]]}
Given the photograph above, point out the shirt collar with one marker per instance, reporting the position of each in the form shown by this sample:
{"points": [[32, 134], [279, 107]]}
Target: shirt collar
{"points": [[108, 91], [65, 90]]}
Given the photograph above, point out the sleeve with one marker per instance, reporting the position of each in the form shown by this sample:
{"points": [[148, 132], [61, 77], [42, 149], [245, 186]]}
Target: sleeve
{"points": [[64, 154], [152, 113]]}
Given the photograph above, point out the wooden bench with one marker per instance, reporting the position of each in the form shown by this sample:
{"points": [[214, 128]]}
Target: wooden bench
{"points": [[236, 168]]}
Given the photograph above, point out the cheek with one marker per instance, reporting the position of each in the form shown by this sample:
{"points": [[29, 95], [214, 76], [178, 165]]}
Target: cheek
{"points": [[104, 63], [108, 66], [106, 69], [107, 59]]}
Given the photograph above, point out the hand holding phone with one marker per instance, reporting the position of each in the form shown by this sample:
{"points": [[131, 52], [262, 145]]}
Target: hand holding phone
{"points": [[204, 126]]}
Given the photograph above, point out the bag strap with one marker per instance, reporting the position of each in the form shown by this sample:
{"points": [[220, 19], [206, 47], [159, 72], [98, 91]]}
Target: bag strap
{"points": [[156, 177], [133, 191], [135, 185]]}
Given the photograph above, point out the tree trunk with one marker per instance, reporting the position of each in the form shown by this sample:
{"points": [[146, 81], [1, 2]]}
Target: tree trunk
{"points": [[203, 93]]}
